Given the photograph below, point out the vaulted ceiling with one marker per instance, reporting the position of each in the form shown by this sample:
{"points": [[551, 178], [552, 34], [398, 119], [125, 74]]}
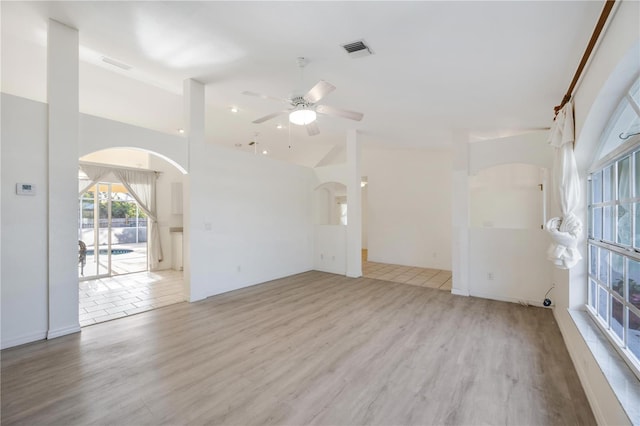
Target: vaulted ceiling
{"points": [[493, 68]]}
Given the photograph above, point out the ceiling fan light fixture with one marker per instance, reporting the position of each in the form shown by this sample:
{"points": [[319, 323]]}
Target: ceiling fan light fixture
{"points": [[302, 117]]}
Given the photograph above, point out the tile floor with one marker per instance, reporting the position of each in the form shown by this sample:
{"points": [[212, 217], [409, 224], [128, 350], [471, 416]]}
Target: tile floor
{"points": [[423, 277], [126, 263], [116, 297]]}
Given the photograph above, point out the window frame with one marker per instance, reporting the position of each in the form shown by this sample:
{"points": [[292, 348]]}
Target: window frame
{"points": [[607, 238], [629, 252]]}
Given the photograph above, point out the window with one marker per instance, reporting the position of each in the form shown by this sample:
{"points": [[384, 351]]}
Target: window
{"points": [[614, 232]]}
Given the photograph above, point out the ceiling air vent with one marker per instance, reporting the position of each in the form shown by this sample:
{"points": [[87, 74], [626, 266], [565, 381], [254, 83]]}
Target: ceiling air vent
{"points": [[357, 49], [115, 63]]}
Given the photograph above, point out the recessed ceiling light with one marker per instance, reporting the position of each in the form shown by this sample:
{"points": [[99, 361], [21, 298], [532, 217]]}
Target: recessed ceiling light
{"points": [[238, 145], [279, 126], [234, 109], [265, 152], [181, 131]]}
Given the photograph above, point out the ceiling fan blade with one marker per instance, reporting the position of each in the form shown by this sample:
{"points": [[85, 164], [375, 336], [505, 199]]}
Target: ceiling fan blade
{"points": [[319, 91], [260, 95], [328, 110], [268, 117], [312, 128]]}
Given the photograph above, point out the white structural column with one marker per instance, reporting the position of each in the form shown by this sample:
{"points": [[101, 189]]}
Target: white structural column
{"points": [[194, 113], [460, 211], [62, 97], [354, 206]]}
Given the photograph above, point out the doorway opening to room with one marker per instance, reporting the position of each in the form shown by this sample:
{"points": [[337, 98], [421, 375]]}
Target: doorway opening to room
{"points": [[377, 267], [129, 224], [112, 234]]}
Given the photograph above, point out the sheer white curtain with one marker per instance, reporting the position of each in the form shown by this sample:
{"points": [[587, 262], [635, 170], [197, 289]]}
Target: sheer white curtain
{"points": [[565, 230], [142, 186], [94, 174]]}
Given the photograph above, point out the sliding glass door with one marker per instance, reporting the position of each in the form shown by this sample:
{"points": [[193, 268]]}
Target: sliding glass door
{"points": [[112, 232]]}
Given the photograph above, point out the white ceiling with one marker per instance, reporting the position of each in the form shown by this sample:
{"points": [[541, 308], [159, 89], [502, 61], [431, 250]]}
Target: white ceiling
{"points": [[494, 68]]}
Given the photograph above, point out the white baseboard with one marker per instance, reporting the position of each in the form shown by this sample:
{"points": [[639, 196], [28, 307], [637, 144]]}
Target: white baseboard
{"points": [[459, 292], [21, 340], [52, 334], [336, 271], [506, 299]]}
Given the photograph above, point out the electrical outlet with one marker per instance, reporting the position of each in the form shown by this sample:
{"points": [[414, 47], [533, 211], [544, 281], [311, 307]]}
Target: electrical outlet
{"points": [[321, 256], [490, 276], [239, 268]]}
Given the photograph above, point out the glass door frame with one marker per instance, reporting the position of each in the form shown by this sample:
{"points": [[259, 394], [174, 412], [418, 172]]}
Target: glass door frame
{"points": [[96, 231]]}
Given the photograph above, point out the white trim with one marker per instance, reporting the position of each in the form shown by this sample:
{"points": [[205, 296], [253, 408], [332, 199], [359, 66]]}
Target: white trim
{"points": [[112, 166], [21, 340], [618, 153], [618, 377], [625, 353], [460, 292], [507, 299], [52, 334]]}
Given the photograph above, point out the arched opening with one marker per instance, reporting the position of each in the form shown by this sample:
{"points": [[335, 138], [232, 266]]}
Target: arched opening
{"points": [[330, 220], [129, 232], [330, 204]]}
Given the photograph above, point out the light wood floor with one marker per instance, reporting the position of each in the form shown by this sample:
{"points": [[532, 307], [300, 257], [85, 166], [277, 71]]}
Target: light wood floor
{"points": [[314, 348]]}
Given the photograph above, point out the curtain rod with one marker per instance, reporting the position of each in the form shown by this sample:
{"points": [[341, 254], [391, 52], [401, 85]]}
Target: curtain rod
{"points": [[606, 10], [112, 166]]}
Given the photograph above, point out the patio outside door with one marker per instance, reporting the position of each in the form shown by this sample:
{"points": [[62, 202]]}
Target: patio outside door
{"points": [[114, 230]]}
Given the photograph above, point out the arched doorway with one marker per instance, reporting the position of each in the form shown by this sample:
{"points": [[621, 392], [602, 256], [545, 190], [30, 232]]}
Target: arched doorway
{"points": [[129, 266]]}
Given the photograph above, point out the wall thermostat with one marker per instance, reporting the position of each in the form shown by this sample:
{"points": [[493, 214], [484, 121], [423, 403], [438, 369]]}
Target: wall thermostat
{"points": [[25, 189]]}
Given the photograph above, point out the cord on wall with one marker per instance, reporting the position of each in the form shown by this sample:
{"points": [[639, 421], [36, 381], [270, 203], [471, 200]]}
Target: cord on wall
{"points": [[547, 302]]}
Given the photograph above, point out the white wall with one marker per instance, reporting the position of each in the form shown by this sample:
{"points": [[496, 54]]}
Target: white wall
{"points": [[62, 150], [330, 249], [330, 237], [508, 196], [99, 133], [409, 207], [166, 218], [125, 157], [332, 173], [365, 212], [251, 219], [24, 222], [248, 211], [507, 247], [509, 264]]}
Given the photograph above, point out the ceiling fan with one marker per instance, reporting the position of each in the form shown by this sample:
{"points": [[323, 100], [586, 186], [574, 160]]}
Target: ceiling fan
{"points": [[304, 107]]}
